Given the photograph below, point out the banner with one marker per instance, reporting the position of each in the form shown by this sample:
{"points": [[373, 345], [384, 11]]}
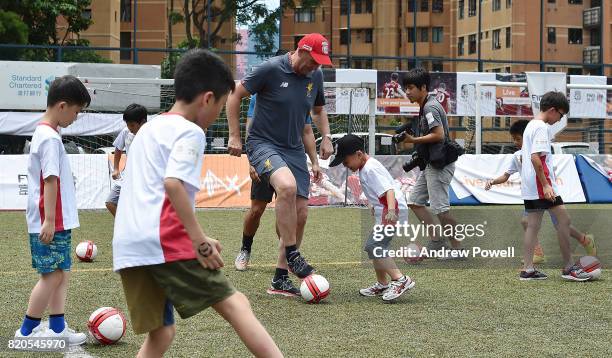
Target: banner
{"points": [[24, 85], [391, 98], [472, 172], [466, 97], [90, 172], [360, 99], [541, 82], [512, 101], [443, 86], [588, 103], [87, 124]]}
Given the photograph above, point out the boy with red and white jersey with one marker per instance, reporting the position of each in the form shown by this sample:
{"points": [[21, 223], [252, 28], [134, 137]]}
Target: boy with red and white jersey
{"points": [[389, 206], [539, 189], [164, 258], [52, 213]]}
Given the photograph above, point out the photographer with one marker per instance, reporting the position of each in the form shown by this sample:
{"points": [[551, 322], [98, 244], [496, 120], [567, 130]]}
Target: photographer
{"points": [[432, 154]]}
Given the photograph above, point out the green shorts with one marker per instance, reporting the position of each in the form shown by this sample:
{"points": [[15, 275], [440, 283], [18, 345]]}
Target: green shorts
{"points": [[186, 285]]}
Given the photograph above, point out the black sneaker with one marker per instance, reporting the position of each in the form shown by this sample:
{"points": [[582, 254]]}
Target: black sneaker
{"points": [[533, 275], [283, 286], [299, 267], [575, 273]]}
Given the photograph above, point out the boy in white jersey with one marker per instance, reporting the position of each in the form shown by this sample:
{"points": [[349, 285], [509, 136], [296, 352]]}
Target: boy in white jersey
{"points": [[52, 213], [164, 258], [586, 240], [134, 116], [539, 189], [389, 206]]}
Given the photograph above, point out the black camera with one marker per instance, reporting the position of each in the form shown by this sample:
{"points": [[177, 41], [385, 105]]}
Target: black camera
{"points": [[415, 161], [400, 133]]}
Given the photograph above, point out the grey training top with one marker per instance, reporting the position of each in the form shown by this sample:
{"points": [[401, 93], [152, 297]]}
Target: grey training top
{"points": [[284, 100], [432, 115]]}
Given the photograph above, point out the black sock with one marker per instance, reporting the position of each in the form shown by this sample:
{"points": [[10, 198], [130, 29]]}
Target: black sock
{"points": [[291, 252], [279, 273], [247, 242]]}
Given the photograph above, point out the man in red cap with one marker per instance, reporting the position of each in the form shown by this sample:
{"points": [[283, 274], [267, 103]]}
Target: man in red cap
{"points": [[288, 88]]}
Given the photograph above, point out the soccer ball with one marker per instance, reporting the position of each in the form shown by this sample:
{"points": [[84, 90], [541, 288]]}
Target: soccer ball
{"points": [[314, 288], [107, 325], [86, 251], [590, 265], [413, 251]]}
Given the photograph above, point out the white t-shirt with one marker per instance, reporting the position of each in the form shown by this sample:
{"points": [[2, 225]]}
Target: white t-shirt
{"points": [[124, 140], [48, 157], [375, 182], [536, 140], [147, 228], [515, 164]]}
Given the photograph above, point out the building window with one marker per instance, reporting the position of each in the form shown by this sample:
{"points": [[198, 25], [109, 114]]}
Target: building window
{"points": [[343, 37], [574, 36], [496, 39], [507, 122], [368, 36], [552, 35], [508, 37], [437, 34], [460, 46], [496, 120], [551, 69], [304, 15], [424, 5], [508, 70], [343, 63], [575, 2], [472, 44], [436, 66], [125, 40], [368, 63], [574, 71], [552, 1], [496, 5], [411, 5], [368, 10], [508, 4], [471, 8], [423, 34], [358, 8], [344, 7], [296, 40], [595, 38], [410, 34], [323, 14], [461, 7], [86, 14], [126, 10], [437, 6]]}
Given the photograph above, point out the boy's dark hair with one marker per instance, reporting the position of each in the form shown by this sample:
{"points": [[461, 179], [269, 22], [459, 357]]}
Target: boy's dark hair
{"points": [[556, 100], [518, 127], [135, 113], [68, 89], [201, 71], [418, 77]]}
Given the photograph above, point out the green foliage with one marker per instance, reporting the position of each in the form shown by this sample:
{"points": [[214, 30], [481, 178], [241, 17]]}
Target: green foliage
{"points": [[88, 56], [12, 31]]}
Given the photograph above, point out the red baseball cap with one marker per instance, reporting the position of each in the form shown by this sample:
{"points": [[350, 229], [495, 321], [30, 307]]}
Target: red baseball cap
{"points": [[318, 46]]}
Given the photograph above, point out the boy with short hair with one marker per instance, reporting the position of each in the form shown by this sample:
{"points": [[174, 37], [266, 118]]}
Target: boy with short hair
{"points": [[389, 205], [539, 189], [134, 116], [52, 212], [164, 258], [586, 240]]}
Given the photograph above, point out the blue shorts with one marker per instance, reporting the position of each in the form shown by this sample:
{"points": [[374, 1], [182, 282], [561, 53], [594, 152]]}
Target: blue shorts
{"points": [[54, 256], [553, 218], [267, 158]]}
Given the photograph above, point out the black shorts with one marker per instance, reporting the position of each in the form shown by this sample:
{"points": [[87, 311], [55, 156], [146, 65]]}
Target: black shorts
{"points": [[542, 204]]}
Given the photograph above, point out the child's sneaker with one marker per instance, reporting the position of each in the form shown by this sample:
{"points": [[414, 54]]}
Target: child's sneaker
{"points": [[397, 288], [376, 289], [299, 267], [242, 260], [575, 273], [283, 286], [532, 275], [589, 246], [74, 338], [39, 331]]}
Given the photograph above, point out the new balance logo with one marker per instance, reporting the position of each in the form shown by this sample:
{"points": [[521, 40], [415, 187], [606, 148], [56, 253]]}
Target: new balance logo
{"points": [[285, 84]]}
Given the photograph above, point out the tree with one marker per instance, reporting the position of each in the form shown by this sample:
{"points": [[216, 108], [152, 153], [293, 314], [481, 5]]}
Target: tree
{"points": [[12, 31], [261, 21], [41, 18]]}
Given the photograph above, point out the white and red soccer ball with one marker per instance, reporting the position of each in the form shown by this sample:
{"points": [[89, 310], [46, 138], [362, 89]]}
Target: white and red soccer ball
{"points": [[107, 325], [590, 265], [413, 253], [314, 288], [86, 251]]}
